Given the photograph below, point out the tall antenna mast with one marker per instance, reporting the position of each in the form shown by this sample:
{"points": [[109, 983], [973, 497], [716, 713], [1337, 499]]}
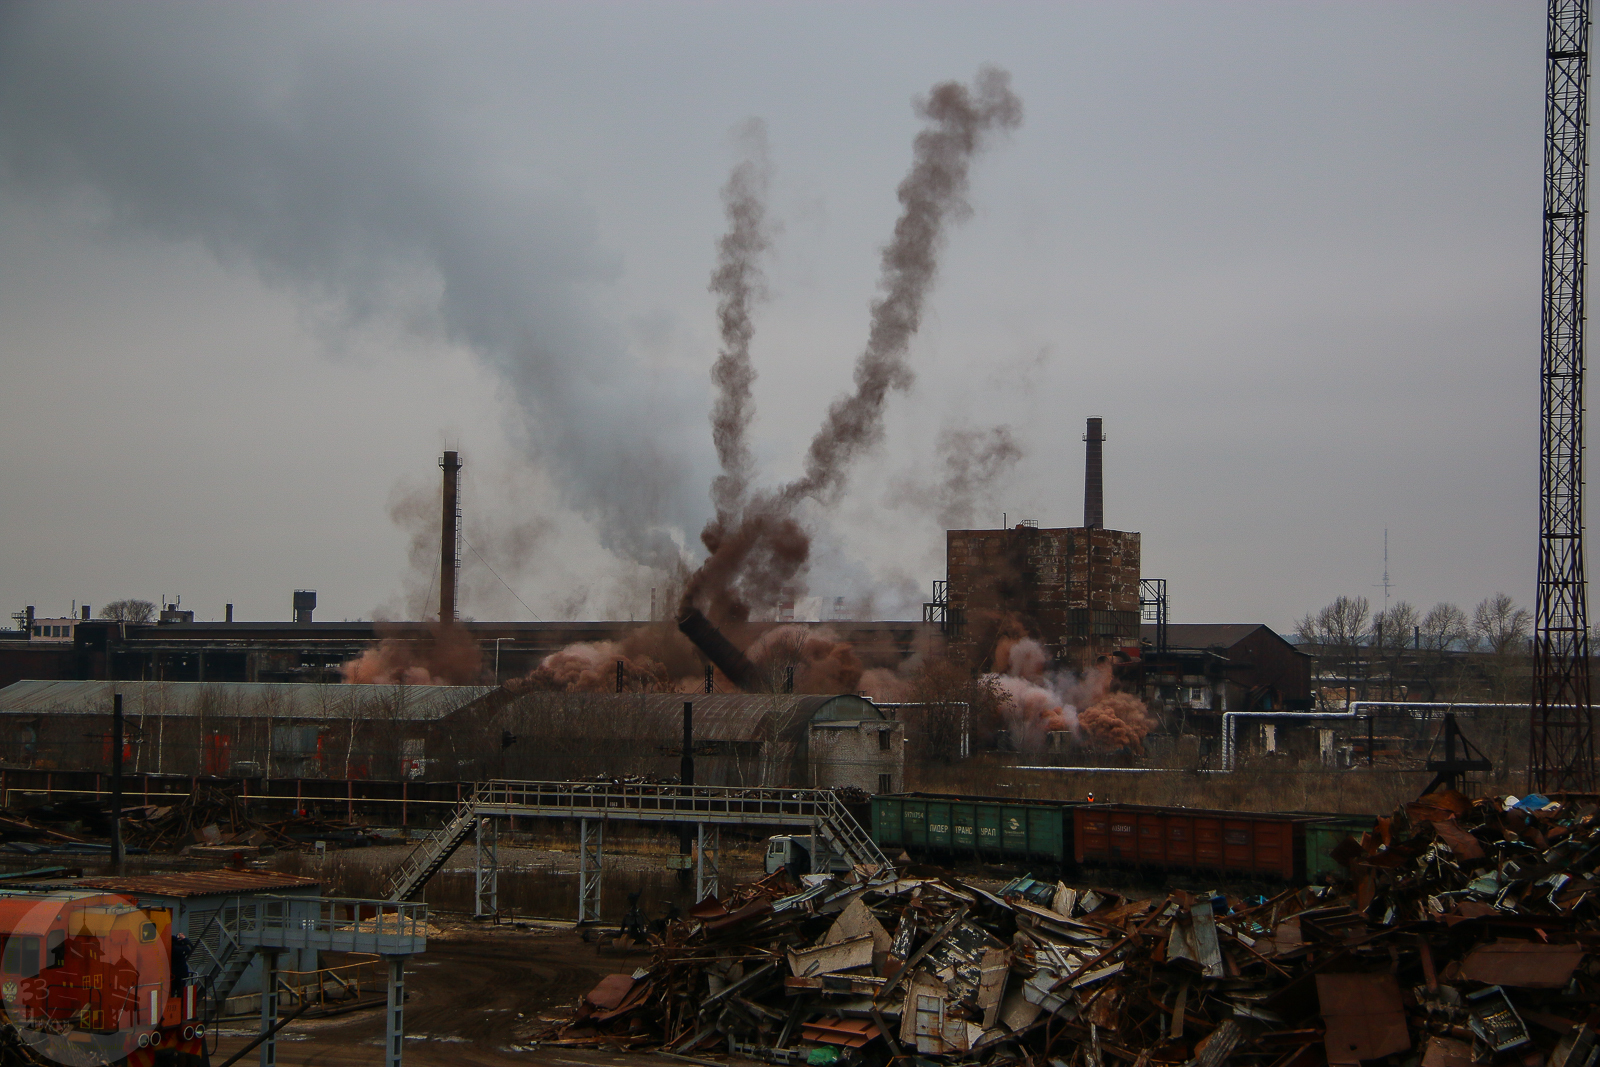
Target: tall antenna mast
{"points": [[1386, 568], [1561, 752]]}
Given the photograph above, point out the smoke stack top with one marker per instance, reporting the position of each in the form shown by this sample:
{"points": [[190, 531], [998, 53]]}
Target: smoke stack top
{"points": [[1094, 502], [449, 539]]}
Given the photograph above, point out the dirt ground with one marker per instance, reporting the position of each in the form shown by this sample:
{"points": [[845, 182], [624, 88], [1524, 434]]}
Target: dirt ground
{"points": [[474, 997]]}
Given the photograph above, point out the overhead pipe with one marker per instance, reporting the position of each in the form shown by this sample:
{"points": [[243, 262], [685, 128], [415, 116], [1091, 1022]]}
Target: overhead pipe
{"points": [[1351, 714]]}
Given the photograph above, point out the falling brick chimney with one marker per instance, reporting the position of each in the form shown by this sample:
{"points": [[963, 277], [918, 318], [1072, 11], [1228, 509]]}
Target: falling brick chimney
{"points": [[1094, 501], [449, 539]]}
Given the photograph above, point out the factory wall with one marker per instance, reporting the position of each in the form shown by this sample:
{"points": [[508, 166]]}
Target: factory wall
{"points": [[1076, 590]]}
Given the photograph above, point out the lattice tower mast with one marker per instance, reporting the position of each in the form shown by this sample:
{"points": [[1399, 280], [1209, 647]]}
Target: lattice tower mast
{"points": [[1561, 754]]}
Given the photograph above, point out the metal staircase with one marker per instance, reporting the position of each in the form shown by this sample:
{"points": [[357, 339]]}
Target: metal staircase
{"points": [[221, 968], [846, 836], [432, 852]]}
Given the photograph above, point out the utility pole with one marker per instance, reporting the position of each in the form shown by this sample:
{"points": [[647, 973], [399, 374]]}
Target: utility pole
{"points": [[1561, 749], [116, 783]]}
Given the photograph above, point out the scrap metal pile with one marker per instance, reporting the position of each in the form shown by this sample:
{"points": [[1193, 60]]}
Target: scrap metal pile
{"points": [[1460, 934]]}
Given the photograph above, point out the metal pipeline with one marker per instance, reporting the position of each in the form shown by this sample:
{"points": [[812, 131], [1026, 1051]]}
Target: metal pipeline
{"points": [[1352, 713], [1117, 770], [722, 652]]}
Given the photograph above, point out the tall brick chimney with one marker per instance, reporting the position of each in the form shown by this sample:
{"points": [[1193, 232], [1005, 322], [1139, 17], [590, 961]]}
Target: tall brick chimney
{"points": [[1094, 501], [449, 539]]}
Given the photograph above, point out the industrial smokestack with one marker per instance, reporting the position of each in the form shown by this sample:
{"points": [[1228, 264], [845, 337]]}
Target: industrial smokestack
{"points": [[720, 651], [449, 539], [1094, 501]]}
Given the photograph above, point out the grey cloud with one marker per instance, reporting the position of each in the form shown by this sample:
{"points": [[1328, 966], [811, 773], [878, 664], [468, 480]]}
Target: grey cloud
{"points": [[335, 172]]}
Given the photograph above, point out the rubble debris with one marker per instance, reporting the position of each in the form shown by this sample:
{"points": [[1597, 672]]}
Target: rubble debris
{"points": [[1455, 933], [215, 819]]}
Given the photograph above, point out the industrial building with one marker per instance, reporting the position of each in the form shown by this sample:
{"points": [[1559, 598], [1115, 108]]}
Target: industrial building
{"points": [[1075, 590], [1205, 670], [313, 651], [448, 733]]}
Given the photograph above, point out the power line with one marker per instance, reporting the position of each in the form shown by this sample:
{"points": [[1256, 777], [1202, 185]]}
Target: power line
{"points": [[502, 581]]}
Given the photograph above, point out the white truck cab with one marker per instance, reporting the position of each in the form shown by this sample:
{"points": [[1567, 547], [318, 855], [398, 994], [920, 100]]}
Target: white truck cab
{"points": [[793, 850]]}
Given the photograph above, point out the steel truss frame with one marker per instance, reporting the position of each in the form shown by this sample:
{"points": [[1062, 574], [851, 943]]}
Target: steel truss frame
{"points": [[1561, 750]]}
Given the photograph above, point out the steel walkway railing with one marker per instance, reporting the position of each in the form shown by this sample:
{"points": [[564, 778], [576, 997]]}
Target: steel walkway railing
{"points": [[819, 810]]}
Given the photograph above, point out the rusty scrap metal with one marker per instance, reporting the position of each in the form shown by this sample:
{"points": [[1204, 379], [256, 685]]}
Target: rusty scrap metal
{"points": [[1459, 932]]}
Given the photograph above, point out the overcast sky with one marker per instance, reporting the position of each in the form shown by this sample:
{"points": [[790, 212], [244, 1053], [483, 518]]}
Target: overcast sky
{"points": [[260, 263]]}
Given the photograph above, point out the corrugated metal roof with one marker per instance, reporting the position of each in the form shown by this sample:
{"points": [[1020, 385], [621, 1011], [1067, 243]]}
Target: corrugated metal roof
{"points": [[279, 700], [717, 716], [1206, 635], [200, 883]]}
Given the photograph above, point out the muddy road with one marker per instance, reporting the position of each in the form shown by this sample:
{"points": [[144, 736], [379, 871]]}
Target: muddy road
{"points": [[475, 996]]}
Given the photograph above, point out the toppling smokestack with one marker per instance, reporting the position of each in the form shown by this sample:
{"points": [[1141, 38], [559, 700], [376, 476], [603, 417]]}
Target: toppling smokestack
{"points": [[449, 539], [720, 651], [1094, 500]]}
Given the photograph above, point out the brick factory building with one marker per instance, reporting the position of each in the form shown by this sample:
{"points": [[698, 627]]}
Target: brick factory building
{"points": [[1075, 590]]}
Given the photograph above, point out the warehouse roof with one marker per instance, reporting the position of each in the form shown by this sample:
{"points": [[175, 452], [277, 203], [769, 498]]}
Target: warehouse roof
{"points": [[278, 700], [1207, 635], [717, 716]]}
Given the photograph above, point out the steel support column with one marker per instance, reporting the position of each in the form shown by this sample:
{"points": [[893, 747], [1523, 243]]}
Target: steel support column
{"points": [[1561, 750], [268, 1056], [394, 1019], [591, 847], [706, 878], [486, 870]]}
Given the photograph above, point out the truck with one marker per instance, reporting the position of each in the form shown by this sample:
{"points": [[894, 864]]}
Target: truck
{"points": [[794, 852]]}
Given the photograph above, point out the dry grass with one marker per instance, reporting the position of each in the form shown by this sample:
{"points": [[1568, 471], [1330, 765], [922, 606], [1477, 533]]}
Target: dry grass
{"points": [[534, 881]]}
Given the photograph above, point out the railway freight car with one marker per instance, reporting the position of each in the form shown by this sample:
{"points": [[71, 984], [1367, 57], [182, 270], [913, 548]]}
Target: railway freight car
{"points": [[988, 829], [1248, 843]]}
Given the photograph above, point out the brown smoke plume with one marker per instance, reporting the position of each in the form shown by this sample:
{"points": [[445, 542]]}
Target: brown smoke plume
{"points": [[737, 281], [1118, 720], [747, 563], [1041, 700], [975, 463], [932, 194], [822, 662], [655, 658], [449, 656], [592, 668]]}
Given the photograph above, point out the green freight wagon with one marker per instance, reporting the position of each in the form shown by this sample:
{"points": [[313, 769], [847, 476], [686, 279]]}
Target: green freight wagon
{"points": [[990, 829], [1324, 835]]}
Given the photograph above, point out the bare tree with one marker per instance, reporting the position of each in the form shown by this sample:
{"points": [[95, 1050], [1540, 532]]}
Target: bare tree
{"points": [[1444, 631], [1393, 631], [129, 610], [1338, 634], [1499, 625]]}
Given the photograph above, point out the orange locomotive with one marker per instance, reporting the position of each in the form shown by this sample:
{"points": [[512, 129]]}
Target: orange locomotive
{"points": [[88, 978]]}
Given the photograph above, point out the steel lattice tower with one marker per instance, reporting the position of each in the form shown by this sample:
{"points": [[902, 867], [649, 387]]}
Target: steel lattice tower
{"points": [[1561, 754]]}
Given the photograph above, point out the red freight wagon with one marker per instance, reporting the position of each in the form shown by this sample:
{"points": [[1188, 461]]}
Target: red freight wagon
{"points": [[1237, 842]]}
